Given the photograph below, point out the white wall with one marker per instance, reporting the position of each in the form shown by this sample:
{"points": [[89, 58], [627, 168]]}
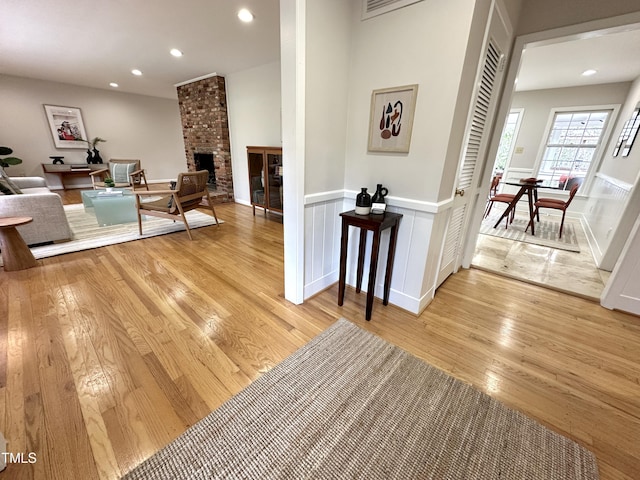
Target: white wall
{"points": [[135, 126], [401, 48], [328, 44], [326, 110], [538, 15], [625, 169], [253, 105], [394, 49]]}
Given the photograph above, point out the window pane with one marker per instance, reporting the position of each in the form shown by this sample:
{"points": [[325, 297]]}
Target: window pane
{"points": [[506, 141], [571, 145]]}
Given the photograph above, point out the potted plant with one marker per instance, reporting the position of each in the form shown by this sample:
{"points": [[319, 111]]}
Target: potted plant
{"points": [[109, 184], [7, 161]]}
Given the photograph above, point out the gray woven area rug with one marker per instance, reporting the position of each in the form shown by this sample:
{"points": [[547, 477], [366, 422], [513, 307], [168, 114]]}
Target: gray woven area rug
{"points": [[547, 232], [350, 405]]}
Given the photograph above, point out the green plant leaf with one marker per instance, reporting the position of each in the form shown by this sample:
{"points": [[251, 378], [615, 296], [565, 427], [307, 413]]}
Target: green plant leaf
{"points": [[10, 161], [5, 151]]}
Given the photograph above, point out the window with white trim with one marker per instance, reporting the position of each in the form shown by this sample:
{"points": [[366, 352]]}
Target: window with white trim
{"points": [[572, 143], [507, 140]]}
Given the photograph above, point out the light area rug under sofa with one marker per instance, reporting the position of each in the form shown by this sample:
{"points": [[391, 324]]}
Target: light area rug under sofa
{"points": [[87, 234]]}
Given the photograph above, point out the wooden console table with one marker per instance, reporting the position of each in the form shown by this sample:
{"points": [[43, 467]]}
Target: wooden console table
{"points": [[375, 223], [15, 253], [66, 170]]}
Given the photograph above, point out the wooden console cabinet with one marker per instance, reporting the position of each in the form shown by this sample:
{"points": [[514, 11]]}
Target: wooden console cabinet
{"points": [[265, 178], [71, 170]]}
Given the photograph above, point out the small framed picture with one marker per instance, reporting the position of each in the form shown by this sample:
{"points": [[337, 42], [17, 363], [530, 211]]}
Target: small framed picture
{"points": [[391, 121], [67, 127]]}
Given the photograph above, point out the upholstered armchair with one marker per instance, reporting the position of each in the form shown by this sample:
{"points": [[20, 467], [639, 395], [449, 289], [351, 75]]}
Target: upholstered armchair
{"points": [[126, 173]]}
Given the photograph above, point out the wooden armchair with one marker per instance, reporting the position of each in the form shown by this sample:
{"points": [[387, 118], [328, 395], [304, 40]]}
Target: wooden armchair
{"points": [[126, 173], [191, 189]]}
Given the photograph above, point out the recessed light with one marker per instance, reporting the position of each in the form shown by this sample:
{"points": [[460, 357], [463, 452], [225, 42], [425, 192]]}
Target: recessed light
{"points": [[588, 73], [136, 72], [245, 15], [175, 52], [114, 85]]}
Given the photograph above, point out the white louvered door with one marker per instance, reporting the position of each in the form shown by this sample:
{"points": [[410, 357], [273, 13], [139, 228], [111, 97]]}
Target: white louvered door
{"points": [[476, 143]]}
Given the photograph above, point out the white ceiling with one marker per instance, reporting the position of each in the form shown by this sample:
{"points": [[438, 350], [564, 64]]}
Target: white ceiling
{"points": [[95, 42], [560, 63]]}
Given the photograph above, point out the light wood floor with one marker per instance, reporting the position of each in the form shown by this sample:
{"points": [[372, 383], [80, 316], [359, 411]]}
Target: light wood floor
{"points": [[108, 355]]}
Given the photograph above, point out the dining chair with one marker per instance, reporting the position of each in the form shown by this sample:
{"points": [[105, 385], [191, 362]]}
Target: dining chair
{"points": [[494, 196], [556, 204], [190, 191]]}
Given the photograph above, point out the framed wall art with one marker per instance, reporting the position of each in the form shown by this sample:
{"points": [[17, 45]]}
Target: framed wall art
{"points": [[67, 127], [628, 134], [391, 121]]}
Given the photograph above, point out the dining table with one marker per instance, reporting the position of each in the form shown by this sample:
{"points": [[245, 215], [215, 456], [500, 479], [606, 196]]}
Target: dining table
{"points": [[528, 186]]}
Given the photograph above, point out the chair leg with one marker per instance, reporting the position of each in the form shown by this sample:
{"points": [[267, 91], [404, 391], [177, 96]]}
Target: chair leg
{"points": [[186, 226], [562, 223], [184, 220], [488, 208], [139, 216], [213, 209]]}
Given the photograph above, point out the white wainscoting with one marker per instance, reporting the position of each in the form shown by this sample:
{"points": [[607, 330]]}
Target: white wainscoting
{"points": [[322, 242], [410, 289], [514, 175], [603, 211]]}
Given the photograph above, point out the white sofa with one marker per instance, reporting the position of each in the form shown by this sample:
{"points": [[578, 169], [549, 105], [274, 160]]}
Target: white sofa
{"points": [[45, 207]]}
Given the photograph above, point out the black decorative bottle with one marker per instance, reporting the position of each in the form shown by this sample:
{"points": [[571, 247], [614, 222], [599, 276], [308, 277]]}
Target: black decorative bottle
{"points": [[363, 202], [377, 202]]}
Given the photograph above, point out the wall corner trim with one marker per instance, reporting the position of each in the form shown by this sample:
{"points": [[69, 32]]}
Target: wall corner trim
{"points": [[401, 202]]}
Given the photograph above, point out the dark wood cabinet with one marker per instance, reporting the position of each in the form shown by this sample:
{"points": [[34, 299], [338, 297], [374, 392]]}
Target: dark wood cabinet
{"points": [[265, 178]]}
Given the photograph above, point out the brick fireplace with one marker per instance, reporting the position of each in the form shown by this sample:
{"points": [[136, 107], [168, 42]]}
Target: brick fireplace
{"points": [[205, 128]]}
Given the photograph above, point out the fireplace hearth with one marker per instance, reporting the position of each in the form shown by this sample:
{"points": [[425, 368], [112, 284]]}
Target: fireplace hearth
{"points": [[204, 161]]}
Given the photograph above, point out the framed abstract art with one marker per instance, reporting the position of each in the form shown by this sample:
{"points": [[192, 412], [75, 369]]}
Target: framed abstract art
{"points": [[391, 121]]}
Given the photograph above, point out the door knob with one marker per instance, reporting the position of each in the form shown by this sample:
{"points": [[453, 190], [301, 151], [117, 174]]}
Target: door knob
{"points": [[460, 191]]}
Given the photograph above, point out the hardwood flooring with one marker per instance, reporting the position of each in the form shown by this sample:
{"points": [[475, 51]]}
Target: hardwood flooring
{"points": [[107, 355]]}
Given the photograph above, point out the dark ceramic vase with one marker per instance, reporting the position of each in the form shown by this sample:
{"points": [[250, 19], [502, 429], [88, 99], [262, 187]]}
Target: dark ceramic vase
{"points": [[381, 192], [96, 156], [363, 202], [89, 156]]}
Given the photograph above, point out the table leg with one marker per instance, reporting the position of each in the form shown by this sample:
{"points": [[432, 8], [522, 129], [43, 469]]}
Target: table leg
{"points": [[531, 216], [373, 267], [511, 206], [361, 250], [390, 256], [15, 253], [343, 261]]}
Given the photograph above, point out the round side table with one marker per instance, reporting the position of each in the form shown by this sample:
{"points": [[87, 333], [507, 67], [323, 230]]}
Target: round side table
{"points": [[15, 253]]}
